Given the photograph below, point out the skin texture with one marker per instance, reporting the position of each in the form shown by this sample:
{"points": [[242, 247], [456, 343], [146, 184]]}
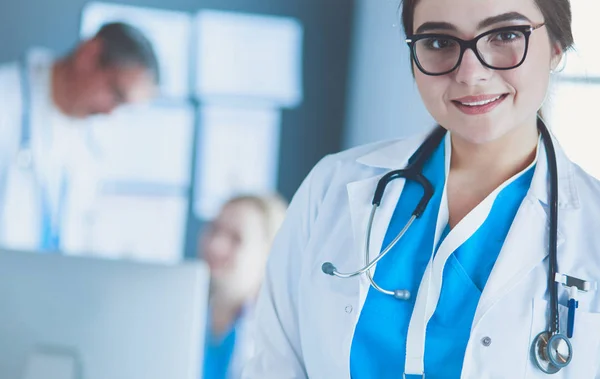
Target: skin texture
{"points": [[488, 148], [81, 87], [235, 245], [235, 248], [525, 85]]}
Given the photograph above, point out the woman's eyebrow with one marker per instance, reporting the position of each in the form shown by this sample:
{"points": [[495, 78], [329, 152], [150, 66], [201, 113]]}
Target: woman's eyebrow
{"points": [[428, 26], [509, 16]]}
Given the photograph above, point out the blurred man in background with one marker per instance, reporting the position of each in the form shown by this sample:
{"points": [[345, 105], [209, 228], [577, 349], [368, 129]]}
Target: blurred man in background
{"points": [[46, 166]]}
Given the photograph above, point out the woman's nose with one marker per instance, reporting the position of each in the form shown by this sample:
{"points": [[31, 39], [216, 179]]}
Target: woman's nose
{"points": [[471, 71]]}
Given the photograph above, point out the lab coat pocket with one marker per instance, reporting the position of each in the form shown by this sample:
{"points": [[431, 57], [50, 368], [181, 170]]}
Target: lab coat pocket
{"points": [[585, 341]]}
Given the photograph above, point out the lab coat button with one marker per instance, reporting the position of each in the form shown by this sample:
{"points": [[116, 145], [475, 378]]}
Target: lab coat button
{"points": [[349, 309], [486, 341]]}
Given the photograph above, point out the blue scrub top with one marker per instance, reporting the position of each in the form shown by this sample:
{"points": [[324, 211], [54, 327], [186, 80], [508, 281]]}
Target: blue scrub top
{"points": [[379, 344], [217, 354]]}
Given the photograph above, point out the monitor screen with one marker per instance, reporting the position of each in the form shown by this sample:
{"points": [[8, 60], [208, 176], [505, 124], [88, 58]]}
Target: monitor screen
{"points": [[89, 318]]}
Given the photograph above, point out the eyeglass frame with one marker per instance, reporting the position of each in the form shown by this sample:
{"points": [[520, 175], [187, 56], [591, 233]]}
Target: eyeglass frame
{"points": [[470, 44]]}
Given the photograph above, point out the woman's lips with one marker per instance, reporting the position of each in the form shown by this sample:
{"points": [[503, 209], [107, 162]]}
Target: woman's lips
{"points": [[476, 105]]}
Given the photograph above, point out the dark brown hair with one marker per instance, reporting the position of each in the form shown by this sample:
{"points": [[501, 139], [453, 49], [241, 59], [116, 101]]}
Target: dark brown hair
{"points": [[557, 15]]}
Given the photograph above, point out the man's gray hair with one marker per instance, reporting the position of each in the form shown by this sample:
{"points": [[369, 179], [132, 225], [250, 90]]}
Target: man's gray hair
{"points": [[125, 45]]}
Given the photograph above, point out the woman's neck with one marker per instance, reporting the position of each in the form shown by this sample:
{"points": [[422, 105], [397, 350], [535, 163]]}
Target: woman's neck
{"points": [[226, 305], [224, 314], [499, 160], [476, 170]]}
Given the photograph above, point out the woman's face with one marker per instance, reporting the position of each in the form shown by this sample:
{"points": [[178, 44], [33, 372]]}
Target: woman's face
{"points": [[519, 92], [234, 245]]}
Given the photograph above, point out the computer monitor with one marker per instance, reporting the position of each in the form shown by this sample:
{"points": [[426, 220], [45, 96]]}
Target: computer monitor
{"points": [[85, 318]]}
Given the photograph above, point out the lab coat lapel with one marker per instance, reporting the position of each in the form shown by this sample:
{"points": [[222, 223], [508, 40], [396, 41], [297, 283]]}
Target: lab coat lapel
{"points": [[360, 195], [526, 244], [525, 247]]}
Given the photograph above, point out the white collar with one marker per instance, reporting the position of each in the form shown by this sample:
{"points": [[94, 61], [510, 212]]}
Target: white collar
{"points": [[395, 155]]}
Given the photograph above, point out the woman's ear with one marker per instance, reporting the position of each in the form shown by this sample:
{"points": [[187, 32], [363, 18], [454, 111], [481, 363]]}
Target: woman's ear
{"points": [[556, 56]]}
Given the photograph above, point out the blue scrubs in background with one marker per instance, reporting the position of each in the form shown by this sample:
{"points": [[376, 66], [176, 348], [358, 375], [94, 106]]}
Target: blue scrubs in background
{"points": [[379, 345], [218, 352]]}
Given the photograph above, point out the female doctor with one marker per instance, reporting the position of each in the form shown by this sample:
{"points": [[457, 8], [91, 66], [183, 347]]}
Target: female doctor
{"points": [[483, 262]]}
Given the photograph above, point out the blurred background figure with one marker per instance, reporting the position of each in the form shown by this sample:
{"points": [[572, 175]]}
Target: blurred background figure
{"points": [[45, 158], [235, 246]]}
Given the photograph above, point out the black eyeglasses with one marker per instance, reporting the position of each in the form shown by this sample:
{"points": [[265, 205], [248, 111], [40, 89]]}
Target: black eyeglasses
{"points": [[499, 49]]}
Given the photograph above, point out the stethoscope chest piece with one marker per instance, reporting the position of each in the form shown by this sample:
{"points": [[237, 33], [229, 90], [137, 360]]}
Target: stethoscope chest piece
{"points": [[551, 352]]}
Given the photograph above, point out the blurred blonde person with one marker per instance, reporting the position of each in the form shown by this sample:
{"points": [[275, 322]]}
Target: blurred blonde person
{"points": [[236, 246]]}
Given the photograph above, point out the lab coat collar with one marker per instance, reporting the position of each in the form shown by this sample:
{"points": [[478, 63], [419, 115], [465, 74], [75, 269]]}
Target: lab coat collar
{"points": [[396, 155], [524, 247]]}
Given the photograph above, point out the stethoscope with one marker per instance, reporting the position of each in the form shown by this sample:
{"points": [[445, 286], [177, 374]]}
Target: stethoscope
{"points": [[551, 350], [25, 161], [25, 154]]}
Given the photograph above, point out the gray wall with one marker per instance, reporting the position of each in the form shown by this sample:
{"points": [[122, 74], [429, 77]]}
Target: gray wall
{"points": [[308, 133], [383, 101]]}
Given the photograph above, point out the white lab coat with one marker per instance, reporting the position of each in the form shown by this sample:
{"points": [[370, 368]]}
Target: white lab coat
{"points": [[244, 345], [59, 148], [306, 319]]}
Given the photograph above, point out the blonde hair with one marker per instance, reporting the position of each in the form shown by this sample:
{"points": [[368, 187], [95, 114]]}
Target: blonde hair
{"points": [[272, 208]]}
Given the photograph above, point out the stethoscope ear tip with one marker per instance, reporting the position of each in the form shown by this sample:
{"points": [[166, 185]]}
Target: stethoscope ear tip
{"points": [[328, 268]]}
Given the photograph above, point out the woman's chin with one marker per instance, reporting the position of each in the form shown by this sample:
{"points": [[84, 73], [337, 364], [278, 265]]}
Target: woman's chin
{"points": [[477, 133]]}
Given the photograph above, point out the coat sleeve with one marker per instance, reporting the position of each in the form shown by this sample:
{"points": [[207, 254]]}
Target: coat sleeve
{"points": [[278, 353], [10, 132], [10, 114]]}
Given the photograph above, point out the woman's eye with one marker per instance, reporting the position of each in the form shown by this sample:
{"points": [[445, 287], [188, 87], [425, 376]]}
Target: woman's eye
{"points": [[439, 43], [506, 36]]}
